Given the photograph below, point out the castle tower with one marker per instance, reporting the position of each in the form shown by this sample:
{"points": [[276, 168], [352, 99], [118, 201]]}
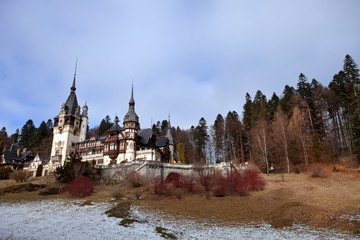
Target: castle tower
{"points": [[171, 141], [131, 127], [66, 130], [84, 123]]}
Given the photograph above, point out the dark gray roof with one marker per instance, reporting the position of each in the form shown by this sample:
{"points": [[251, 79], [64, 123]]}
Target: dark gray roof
{"points": [[161, 141], [12, 158], [72, 103], [131, 116], [102, 138], [145, 135], [115, 128]]}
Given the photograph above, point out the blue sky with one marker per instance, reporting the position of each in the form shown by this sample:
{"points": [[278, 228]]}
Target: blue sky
{"points": [[189, 59]]}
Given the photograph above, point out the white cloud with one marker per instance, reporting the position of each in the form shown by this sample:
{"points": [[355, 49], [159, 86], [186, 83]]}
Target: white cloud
{"points": [[186, 58]]}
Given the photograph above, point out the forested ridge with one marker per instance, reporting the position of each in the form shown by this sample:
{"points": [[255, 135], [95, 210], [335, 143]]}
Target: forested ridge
{"points": [[308, 123]]}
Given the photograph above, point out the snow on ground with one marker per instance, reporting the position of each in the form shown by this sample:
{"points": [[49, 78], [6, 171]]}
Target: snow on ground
{"points": [[62, 219]]}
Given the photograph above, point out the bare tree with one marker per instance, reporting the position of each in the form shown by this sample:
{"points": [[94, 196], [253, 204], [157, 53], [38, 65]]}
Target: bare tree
{"points": [[260, 143]]}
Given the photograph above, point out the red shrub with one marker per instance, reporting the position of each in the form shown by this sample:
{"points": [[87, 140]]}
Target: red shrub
{"points": [[187, 183], [173, 178], [254, 180], [80, 187], [206, 180], [236, 184], [157, 186]]}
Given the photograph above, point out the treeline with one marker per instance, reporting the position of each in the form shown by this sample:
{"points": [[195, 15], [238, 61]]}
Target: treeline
{"points": [[38, 140], [309, 123]]}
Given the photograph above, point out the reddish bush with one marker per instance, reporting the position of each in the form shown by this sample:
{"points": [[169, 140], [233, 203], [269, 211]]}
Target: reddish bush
{"points": [[80, 187], [206, 180], [187, 183], [157, 186], [236, 184], [173, 178], [254, 180]]}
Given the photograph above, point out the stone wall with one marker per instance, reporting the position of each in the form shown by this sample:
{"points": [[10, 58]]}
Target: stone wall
{"points": [[150, 169]]}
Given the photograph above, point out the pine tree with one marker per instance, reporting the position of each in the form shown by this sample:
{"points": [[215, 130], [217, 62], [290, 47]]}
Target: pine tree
{"points": [[219, 134], [41, 133], [304, 88], [49, 125], [156, 128], [200, 137], [260, 109], [247, 113], [273, 104], [27, 135], [164, 127], [105, 125], [285, 101]]}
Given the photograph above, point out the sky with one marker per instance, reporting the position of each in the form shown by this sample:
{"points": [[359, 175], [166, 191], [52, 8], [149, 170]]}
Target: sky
{"points": [[185, 58]]}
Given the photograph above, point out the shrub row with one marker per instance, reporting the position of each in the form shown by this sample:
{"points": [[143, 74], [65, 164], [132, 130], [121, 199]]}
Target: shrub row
{"points": [[234, 183]]}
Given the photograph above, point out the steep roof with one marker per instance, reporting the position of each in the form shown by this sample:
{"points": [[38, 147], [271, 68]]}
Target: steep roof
{"points": [[115, 128], [131, 114], [12, 158], [145, 135], [161, 141], [168, 133], [71, 103]]}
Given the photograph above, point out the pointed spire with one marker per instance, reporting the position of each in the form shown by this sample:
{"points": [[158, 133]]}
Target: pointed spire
{"points": [[132, 101], [71, 102], [73, 88], [132, 92], [168, 133]]}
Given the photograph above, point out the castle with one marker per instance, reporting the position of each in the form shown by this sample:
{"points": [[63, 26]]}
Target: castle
{"points": [[119, 145]]}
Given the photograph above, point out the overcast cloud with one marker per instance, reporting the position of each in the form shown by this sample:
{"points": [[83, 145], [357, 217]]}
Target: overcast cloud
{"points": [[189, 59]]}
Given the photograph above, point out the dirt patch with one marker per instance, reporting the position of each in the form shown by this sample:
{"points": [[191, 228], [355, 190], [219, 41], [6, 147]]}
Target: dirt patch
{"points": [[28, 187], [121, 210], [300, 199], [164, 234]]}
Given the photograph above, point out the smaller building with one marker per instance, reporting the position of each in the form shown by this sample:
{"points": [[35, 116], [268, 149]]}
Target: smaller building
{"points": [[33, 166], [15, 157]]}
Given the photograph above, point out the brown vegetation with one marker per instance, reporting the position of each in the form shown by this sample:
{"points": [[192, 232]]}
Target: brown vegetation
{"points": [[318, 202], [331, 201], [20, 175]]}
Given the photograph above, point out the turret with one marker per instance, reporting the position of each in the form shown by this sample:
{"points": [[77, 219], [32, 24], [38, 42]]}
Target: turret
{"points": [[171, 141], [84, 123], [131, 127], [67, 128]]}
